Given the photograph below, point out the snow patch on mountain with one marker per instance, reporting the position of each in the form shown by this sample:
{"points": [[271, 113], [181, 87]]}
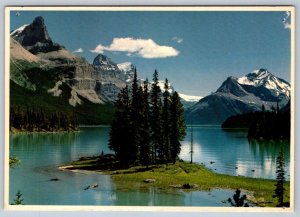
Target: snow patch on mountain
{"points": [[189, 98], [125, 67], [17, 31], [161, 85]]}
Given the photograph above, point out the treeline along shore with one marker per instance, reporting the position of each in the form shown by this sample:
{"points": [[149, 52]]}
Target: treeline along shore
{"points": [[263, 125]]}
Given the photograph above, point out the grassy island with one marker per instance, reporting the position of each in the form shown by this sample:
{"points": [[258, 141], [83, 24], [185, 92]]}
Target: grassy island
{"points": [[184, 175]]}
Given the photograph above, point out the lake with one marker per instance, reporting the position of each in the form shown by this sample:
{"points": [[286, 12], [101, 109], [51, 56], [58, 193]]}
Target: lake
{"points": [[227, 152]]}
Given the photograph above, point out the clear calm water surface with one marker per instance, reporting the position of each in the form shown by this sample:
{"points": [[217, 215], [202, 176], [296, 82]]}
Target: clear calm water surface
{"points": [[227, 152]]}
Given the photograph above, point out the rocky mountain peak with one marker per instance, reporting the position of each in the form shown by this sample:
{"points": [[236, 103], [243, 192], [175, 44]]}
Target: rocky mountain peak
{"points": [[35, 37], [263, 79], [103, 62], [230, 85], [34, 33], [257, 75]]}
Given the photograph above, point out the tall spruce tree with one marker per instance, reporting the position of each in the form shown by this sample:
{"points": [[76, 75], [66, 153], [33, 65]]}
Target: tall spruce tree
{"points": [[136, 107], [165, 152], [280, 179], [145, 128], [120, 140], [155, 117], [177, 126]]}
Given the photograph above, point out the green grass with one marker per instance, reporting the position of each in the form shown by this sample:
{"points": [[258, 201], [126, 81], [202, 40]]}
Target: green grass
{"points": [[166, 175]]}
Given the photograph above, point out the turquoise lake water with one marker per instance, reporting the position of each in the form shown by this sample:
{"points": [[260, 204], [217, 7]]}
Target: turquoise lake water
{"points": [[227, 152]]}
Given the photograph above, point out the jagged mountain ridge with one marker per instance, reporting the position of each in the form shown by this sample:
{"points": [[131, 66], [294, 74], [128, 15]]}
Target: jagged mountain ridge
{"points": [[99, 82], [35, 37], [240, 95]]}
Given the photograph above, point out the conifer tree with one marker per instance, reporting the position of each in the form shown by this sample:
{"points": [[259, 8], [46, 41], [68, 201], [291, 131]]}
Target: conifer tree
{"points": [[145, 130], [165, 152], [19, 200], [177, 126], [155, 116], [279, 190], [120, 134], [136, 116]]}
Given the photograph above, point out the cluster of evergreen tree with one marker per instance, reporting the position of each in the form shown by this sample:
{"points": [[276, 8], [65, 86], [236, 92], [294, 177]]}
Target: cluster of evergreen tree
{"points": [[148, 124], [274, 124], [37, 120]]}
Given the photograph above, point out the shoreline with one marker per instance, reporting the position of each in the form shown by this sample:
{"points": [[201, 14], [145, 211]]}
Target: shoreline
{"points": [[42, 132], [181, 175]]}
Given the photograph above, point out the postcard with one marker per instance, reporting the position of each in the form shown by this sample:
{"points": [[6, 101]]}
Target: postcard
{"points": [[150, 108]]}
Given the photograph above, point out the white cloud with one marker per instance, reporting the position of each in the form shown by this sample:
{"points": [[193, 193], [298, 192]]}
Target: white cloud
{"points": [[177, 39], [285, 20], [145, 48], [79, 50]]}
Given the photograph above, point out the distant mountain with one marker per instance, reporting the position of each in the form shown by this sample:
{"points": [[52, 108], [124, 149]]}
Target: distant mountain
{"points": [[240, 95], [189, 100]]}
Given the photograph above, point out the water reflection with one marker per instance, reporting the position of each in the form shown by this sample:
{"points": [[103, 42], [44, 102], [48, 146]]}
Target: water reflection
{"points": [[150, 197], [230, 152], [267, 152], [226, 152]]}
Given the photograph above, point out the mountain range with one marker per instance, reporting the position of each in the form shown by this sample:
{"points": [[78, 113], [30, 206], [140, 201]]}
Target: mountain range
{"points": [[45, 74], [240, 95]]}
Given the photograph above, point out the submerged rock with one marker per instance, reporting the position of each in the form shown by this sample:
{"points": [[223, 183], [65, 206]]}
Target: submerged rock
{"points": [[149, 180], [91, 186]]}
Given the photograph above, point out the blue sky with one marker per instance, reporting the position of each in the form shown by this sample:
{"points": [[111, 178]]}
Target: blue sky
{"points": [[196, 51]]}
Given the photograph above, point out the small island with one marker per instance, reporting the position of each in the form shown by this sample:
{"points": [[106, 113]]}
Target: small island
{"points": [[181, 175]]}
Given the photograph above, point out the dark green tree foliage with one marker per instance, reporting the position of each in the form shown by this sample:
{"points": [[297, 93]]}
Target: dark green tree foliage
{"points": [[37, 120], [270, 125], [145, 130], [121, 134], [238, 200], [273, 124], [19, 199], [177, 126], [136, 110], [155, 118], [279, 190], [165, 154]]}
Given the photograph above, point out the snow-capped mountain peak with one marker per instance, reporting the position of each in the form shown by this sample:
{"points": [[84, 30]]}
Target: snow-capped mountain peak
{"points": [[264, 78], [255, 78], [240, 95], [104, 63], [17, 31]]}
